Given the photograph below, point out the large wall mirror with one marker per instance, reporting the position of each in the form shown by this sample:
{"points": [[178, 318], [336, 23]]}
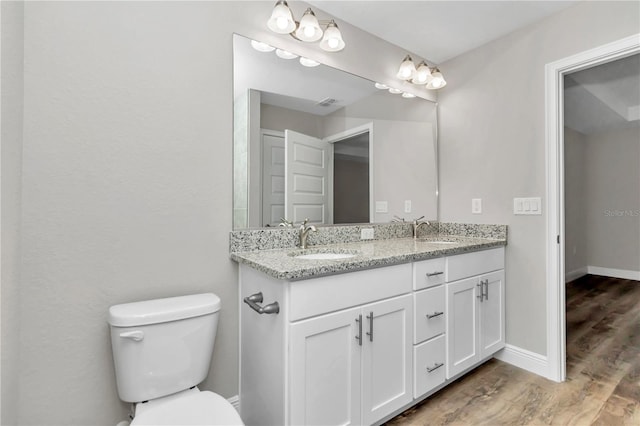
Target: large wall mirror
{"points": [[319, 143]]}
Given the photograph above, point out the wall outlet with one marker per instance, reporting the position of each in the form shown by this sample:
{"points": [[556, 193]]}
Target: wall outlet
{"points": [[476, 205], [407, 206], [366, 234], [382, 207]]}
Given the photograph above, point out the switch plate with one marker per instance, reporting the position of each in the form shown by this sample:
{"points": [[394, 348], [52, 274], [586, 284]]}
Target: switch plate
{"points": [[407, 206], [527, 206], [476, 205], [366, 234], [382, 207]]}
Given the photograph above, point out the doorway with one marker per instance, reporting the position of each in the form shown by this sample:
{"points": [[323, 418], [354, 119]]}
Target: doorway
{"points": [[351, 179], [556, 229]]}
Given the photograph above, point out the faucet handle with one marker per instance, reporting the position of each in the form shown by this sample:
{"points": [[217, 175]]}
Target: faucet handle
{"points": [[285, 223], [397, 219], [418, 219]]}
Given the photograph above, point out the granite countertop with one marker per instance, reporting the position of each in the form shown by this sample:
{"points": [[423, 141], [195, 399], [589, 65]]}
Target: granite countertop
{"points": [[282, 264]]}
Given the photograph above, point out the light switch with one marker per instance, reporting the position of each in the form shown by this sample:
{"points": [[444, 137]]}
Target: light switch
{"points": [[407, 206], [476, 205], [382, 207], [527, 206]]}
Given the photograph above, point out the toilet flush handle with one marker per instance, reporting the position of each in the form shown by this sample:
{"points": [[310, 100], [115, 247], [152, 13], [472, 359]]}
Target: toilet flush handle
{"points": [[133, 335]]}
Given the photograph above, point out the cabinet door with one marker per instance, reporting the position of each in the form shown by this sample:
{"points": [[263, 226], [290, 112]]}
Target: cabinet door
{"points": [[462, 325], [387, 357], [324, 374], [492, 327]]}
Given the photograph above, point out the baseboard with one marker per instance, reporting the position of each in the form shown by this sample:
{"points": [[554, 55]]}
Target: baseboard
{"points": [[235, 401], [614, 273], [522, 358], [575, 274]]}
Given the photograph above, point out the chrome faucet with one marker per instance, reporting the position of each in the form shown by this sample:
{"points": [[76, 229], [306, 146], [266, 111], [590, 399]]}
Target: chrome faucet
{"points": [[304, 233], [417, 224]]}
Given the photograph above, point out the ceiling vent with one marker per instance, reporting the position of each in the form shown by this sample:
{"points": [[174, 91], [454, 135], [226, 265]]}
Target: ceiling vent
{"points": [[326, 102]]}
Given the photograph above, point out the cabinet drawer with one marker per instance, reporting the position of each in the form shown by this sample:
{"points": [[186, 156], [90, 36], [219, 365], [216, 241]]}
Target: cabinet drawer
{"points": [[428, 366], [429, 308], [470, 264], [428, 273], [308, 298]]}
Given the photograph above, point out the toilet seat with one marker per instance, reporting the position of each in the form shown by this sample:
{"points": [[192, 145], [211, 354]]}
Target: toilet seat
{"points": [[190, 407]]}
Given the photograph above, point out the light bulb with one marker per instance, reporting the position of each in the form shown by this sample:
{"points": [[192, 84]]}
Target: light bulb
{"points": [[381, 86], [332, 40], [262, 47], [422, 74], [407, 69], [333, 43], [309, 28], [437, 80], [308, 62], [285, 55], [281, 20]]}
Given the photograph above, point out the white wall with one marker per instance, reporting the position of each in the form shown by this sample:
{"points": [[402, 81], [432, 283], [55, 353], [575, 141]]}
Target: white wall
{"points": [[12, 95], [126, 175], [492, 142], [612, 199]]}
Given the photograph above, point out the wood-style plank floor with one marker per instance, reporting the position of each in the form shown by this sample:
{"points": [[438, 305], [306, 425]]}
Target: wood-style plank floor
{"points": [[603, 371]]}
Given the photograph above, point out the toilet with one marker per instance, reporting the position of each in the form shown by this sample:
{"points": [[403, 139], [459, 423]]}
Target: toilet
{"points": [[162, 349]]}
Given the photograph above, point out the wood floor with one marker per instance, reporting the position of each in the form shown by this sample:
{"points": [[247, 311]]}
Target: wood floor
{"points": [[603, 371]]}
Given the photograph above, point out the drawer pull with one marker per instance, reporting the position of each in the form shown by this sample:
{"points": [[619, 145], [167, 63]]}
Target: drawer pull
{"points": [[254, 299], [433, 274], [481, 295], [435, 314], [435, 367], [359, 336], [370, 332]]}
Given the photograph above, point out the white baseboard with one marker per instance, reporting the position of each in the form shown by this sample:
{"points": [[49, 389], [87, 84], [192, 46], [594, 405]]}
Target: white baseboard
{"points": [[614, 273], [576, 273], [235, 401], [522, 358]]}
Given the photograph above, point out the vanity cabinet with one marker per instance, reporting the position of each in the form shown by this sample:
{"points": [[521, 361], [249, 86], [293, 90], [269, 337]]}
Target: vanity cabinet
{"points": [[475, 326]]}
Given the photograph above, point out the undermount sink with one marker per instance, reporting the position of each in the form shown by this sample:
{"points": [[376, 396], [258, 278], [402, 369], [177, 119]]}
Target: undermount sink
{"points": [[328, 254]]}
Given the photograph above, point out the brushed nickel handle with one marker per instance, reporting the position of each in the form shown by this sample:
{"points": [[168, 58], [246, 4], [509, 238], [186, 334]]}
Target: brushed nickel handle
{"points": [[370, 332], [254, 300], [486, 286], [435, 314], [481, 296], [433, 274], [435, 367], [359, 336]]}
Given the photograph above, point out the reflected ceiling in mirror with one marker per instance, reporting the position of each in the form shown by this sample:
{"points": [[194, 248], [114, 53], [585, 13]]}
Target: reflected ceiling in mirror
{"points": [[299, 137]]}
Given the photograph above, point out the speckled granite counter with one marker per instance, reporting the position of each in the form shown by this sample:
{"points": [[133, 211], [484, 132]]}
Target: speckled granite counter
{"points": [[282, 264]]}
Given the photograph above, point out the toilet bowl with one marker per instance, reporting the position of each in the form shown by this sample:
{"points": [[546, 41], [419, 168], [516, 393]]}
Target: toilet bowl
{"points": [[162, 349]]}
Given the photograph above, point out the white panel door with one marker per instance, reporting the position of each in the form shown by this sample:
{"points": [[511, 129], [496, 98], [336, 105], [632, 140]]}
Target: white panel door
{"points": [[324, 374], [462, 325], [272, 179], [306, 178], [387, 364], [492, 325]]}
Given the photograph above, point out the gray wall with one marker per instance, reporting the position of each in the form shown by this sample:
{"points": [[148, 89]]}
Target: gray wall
{"points": [[612, 199], [126, 183], [12, 95], [575, 192], [492, 142]]}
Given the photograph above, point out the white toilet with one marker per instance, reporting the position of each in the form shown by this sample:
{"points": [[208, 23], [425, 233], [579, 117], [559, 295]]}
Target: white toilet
{"points": [[162, 349]]}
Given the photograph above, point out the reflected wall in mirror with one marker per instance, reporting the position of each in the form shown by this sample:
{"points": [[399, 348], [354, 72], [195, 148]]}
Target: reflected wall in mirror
{"points": [[320, 143]]}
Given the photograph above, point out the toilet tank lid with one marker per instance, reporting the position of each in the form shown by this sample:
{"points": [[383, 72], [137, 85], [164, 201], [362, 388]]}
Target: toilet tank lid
{"points": [[163, 310]]}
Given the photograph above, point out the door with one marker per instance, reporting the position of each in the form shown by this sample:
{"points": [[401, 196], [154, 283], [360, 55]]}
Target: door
{"points": [[462, 325], [387, 357], [272, 179], [492, 325], [306, 178], [324, 374]]}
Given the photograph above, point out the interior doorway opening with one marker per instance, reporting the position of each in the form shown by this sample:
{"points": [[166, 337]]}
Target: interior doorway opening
{"points": [[351, 198]]}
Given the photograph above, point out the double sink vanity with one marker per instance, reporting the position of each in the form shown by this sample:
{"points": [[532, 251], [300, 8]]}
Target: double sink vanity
{"points": [[354, 331]]}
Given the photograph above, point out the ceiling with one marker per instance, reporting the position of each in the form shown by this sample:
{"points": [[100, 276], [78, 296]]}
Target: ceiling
{"points": [[440, 30], [603, 97]]}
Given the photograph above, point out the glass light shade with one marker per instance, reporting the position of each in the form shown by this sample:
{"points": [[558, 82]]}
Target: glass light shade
{"points": [[308, 62], [262, 47], [408, 95], [394, 91], [422, 74], [332, 40], [407, 69], [381, 86], [309, 29], [281, 20], [285, 55], [437, 81]]}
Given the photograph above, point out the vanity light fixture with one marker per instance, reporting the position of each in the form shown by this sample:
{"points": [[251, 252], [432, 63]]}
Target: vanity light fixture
{"points": [[309, 29], [381, 86], [423, 74], [408, 95], [285, 55], [308, 62], [262, 47], [394, 91]]}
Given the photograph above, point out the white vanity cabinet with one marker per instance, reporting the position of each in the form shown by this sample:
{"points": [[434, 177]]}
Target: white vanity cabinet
{"points": [[338, 352], [475, 326]]}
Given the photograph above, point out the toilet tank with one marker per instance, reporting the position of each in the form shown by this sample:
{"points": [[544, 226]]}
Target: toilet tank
{"points": [[162, 346]]}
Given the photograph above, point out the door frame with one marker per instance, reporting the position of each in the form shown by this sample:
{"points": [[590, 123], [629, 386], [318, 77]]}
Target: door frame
{"points": [[554, 106], [347, 134]]}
